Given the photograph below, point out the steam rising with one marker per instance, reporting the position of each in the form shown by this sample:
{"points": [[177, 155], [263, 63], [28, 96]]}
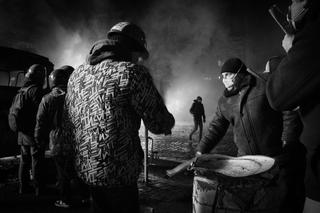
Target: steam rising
{"points": [[187, 40]]}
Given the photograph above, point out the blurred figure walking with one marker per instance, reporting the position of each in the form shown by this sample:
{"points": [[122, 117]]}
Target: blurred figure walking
{"points": [[199, 117]]}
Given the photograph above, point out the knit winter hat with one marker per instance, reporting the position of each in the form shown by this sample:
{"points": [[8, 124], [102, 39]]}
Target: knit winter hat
{"points": [[233, 65]]}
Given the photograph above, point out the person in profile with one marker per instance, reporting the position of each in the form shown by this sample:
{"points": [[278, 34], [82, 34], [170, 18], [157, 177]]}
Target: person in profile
{"points": [[295, 84], [199, 117]]}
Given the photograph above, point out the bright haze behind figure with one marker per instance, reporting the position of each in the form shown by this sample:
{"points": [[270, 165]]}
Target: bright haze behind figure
{"points": [[180, 95], [73, 49]]}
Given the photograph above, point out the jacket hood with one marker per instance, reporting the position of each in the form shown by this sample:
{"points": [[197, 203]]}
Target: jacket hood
{"points": [[105, 49], [28, 82], [57, 91]]}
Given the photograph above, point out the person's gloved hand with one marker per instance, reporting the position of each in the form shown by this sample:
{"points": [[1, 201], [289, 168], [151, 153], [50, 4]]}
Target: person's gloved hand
{"points": [[287, 42], [292, 151]]}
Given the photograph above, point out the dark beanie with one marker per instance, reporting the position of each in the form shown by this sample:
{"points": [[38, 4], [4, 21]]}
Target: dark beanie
{"points": [[233, 65]]}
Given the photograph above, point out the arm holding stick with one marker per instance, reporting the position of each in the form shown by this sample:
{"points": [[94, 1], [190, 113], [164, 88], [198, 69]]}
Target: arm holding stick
{"points": [[181, 167], [281, 20]]}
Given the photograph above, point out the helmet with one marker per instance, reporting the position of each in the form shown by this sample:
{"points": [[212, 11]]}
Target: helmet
{"points": [[60, 77], [36, 73], [133, 32], [67, 68]]}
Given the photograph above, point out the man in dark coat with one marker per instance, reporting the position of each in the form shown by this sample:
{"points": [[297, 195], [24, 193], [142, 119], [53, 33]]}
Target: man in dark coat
{"points": [[257, 128], [197, 110], [48, 131], [296, 83], [106, 100], [31, 155]]}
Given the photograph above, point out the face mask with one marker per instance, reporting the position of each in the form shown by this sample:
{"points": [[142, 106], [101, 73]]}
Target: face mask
{"points": [[229, 80]]}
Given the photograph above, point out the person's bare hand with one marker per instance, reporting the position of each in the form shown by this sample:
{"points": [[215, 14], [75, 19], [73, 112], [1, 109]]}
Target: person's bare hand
{"points": [[287, 42]]}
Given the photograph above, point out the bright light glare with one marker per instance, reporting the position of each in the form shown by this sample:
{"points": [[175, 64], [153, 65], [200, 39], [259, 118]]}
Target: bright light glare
{"points": [[72, 48], [179, 98]]}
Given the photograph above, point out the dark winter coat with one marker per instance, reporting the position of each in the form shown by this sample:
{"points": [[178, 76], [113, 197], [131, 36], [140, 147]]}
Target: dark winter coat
{"points": [[296, 83], [197, 110], [49, 117], [257, 128], [105, 102], [32, 100]]}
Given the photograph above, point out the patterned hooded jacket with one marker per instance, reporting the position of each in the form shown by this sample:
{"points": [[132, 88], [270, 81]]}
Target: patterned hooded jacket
{"points": [[106, 99]]}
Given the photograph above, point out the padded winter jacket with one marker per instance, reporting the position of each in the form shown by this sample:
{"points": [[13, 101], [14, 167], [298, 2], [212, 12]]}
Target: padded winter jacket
{"points": [[105, 102], [32, 100], [257, 128], [49, 118]]}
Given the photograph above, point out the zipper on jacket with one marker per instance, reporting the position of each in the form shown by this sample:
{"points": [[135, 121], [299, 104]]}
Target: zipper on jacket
{"points": [[245, 132], [253, 133]]}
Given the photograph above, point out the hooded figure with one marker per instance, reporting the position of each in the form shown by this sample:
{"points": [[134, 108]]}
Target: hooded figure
{"points": [[296, 84], [31, 155], [108, 96], [197, 110], [48, 131]]}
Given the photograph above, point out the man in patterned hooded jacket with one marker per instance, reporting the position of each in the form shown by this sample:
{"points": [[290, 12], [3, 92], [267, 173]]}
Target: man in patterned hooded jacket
{"points": [[106, 99]]}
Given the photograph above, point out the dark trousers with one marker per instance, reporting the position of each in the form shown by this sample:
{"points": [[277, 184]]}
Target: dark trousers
{"points": [[295, 192], [197, 123], [66, 175], [292, 175], [31, 158], [115, 200]]}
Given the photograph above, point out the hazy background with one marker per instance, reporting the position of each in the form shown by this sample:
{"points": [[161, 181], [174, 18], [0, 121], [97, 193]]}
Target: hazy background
{"points": [[188, 40]]}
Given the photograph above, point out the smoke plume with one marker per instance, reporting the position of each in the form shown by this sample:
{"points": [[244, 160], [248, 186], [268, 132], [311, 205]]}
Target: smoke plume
{"points": [[188, 40]]}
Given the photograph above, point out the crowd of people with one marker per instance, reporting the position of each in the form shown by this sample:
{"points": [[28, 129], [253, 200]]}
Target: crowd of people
{"points": [[91, 117]]}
